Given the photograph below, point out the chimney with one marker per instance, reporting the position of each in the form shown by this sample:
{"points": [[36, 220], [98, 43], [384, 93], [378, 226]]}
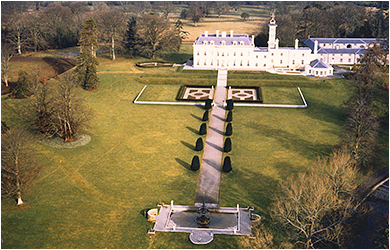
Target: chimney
{"points": [[296, 43], [217, 33], [223, 33], [277, 43], [206, 33], [253, 40], [315, 47], [231, 33]]}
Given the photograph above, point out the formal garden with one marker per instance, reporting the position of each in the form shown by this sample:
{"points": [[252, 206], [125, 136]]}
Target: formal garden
{"points": [[96, 195]]}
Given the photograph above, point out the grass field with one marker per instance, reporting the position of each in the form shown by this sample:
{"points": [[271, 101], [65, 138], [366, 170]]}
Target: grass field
{"points": [[94, 196]]}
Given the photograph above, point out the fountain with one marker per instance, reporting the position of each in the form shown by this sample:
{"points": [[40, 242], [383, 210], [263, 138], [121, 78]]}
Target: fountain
{"points": [[203, 218]]}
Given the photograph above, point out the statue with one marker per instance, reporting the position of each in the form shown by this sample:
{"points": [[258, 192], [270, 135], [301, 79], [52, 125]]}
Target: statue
{"points": [[203, 218]]}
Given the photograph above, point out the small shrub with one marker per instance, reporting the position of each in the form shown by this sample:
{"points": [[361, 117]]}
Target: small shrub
{"points": [[199, 145], [229, 130], [228, 145], [229, 117], [229, 104], [195, 163], [207, 105], [227, 165], [205, 116], [203, 129]]}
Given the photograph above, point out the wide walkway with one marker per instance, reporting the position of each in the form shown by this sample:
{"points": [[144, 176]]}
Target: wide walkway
{"points": [[209, 179]]}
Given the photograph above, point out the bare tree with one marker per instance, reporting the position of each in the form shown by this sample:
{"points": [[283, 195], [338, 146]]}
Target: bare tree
{"points": [[17, 31], [360, 132], [70, 114], [221, 7], [6, 55], [141, 7], [166, 7], [156, 34], [19, 169], [195, 12], [112, 26], [314, 207], [39, 30]]}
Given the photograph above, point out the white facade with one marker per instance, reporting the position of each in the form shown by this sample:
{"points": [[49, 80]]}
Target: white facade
{"points": [[238, 52]]}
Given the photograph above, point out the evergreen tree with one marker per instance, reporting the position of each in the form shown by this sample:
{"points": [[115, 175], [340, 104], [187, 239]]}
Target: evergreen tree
{"points": [[229, 104], [22, 87], [87, 62], [199, 145], [205, 116], [229, 117], [203, 129], [207, 105], [132, 40], [229, 130], [228, 145], [227, 164], [195, 163]]}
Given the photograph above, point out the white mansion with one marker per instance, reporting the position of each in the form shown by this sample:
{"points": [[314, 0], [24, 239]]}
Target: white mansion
{"points": [[238, 52]]}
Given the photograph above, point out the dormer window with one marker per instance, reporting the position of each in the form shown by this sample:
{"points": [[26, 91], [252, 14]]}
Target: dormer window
{"points": [[204, 42], [234, 43], [211, 42], [223, 43], [242, 43]]}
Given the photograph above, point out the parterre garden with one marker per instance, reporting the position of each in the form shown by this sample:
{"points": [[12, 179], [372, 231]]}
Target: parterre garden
{"points": [[95, 196]]}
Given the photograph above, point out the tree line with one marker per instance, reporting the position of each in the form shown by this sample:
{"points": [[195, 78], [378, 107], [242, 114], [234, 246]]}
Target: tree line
{"points": [[333, 20]]}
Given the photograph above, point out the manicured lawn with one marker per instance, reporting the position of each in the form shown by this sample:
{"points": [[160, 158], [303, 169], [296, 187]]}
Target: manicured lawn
{"points": [[95, 196]]}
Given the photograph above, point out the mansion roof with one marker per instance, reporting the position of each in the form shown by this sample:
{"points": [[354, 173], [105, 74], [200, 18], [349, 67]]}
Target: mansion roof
{"points": [[317, 64], [228, 39]]}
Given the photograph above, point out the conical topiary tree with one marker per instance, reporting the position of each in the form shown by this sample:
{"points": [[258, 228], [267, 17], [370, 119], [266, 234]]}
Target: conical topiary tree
{"points": [[207, 105], [229, 130], [227, 165], [205, 116], [229, 104], [229, 117], [228, 145], [195, 163], [199, 145], [203, 129]]}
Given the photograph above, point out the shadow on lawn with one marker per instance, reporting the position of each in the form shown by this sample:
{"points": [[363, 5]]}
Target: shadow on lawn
{"points": [[292, 141], [193, 130], [192, 147], [196, 117], [323, 111], [183, 163]]}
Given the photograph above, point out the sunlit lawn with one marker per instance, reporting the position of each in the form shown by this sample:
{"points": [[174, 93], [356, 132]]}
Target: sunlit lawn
{"points": [[95, 196]]}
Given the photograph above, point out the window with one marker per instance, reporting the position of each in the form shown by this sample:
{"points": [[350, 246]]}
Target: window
{"points": [[272, 60], [234, 43], [309, 71], [234, 63], [337, 47], [324, 44], [217, 53], [330, 72], [197, 63], [257, 56], [281, 54], [248, 63], [293, 62], [265, 57], [242, 54], [272, 54], [303, 62], [349, 46], [223, 43], [241, 63], [217, 62], [211, 42], [349, 60], [303, 55], [320, 72], [265, 65], [227, 54], [257, 65], [197, 53], [211, 63], [316, 72], [234, 54], [281, 61], [205, 53], [223, 53], [204, 62], [204, 42], [241, 42], [341, 59]]}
